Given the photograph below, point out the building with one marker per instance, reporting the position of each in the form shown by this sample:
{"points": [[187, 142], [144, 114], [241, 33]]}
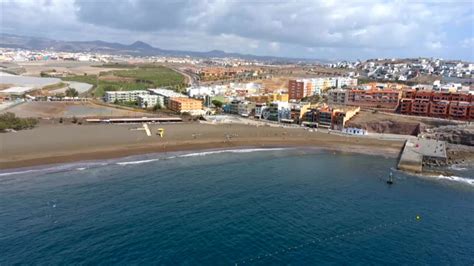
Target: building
{"points": [[267, 98], [342, 82], [167, 94], [148, 101], [461, 97], [246, 108], [308, 87], [124, 96], [297, 111], [378, 98], [441, 96], [182, 105], [324, 117], [243, 108], [405, 105], [277, 111], [259, 109], [341, 115], [354, 131], [439, 108], [460, 110], [436, 104], [338, 97], [334, 117], [296, 90], [471, 112], [420, 107]]}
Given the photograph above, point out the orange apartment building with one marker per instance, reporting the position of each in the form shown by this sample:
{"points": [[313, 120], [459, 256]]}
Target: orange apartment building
{"points": [[267, 98], [387, 99], [439, 108], [296, 90], [459, 110], [410, 94], [437, 104], [471, 112], [182, 104], [420, 107]]}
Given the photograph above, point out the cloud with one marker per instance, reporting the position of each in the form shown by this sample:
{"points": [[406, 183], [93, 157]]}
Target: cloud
{"points": [[385, 27], [468, 43], [434, 45]]}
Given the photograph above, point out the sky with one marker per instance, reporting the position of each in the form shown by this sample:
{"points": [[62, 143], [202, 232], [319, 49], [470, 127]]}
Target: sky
{"points": [[322, 29]]}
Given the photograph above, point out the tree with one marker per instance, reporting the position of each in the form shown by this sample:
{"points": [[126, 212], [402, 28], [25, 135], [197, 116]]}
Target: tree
{"points": [[157, 107], [71, 92], [217, 103], [10, 121]]}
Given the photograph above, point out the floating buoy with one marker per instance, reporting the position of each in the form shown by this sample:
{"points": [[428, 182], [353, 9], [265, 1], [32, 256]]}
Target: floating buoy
{"points": [[418, 217]]}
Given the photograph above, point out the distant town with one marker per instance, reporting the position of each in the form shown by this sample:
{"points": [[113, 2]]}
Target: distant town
{"points": [[425, 97]]}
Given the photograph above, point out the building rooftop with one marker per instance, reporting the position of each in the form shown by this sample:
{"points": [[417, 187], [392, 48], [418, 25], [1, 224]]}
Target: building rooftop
{"points": [[167, 93]]}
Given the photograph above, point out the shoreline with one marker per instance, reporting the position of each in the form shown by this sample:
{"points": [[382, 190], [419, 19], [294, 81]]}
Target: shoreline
{"points": [[122, 153], [71, 143]]}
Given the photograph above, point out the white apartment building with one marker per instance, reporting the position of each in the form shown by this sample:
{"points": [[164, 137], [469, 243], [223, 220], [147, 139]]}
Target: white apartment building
{"points": [[346, 81], [148, 101], [316, 86], [259, 109], [167, 93], [124, 96]]}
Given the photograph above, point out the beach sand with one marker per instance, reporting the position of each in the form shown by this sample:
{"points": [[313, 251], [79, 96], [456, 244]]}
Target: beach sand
{"points": [[51, 144]]}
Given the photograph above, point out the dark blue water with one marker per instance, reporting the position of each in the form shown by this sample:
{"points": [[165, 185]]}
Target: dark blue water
{"points": [[274, 207]]}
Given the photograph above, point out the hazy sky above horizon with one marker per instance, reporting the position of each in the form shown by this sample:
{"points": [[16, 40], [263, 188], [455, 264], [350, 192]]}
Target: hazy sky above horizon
{"points": [[326, 29]]}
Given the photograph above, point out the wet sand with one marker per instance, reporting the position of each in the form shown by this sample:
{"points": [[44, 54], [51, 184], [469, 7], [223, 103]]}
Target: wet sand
{"points": [[51, 144]]}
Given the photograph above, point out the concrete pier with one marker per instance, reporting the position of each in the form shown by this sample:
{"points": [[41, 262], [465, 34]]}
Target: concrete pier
{"points": [[416, 151]]}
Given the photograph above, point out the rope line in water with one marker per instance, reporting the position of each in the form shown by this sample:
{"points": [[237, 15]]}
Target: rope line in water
{"points": [[316, 241]]}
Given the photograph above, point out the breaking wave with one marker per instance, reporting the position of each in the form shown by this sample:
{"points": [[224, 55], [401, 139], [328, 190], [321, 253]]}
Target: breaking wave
{"points": [[459, 179], [138, 162], [196, 154], [205, 153]]}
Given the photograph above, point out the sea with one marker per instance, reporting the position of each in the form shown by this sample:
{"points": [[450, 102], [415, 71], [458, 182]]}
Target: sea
{"points": [[248, 206]]}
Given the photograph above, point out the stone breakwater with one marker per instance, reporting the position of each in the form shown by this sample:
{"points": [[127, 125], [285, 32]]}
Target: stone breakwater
{"points": [[422, 152]]}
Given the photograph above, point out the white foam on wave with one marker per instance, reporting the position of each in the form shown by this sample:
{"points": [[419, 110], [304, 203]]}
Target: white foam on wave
{"points": [[204, 153], [138, 162], [464, 180], [57, 168], [458, 168], [87, 165], [18, 172]]}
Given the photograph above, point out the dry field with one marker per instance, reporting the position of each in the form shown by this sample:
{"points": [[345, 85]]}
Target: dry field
{"points": [[69, 109], [76, 68]]}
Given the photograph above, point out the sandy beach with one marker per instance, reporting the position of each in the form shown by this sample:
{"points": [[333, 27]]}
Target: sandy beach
{"points": [[51, 144]]}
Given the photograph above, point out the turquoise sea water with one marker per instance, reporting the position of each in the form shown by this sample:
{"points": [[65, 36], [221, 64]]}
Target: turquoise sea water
{"points": [[246, 207]]}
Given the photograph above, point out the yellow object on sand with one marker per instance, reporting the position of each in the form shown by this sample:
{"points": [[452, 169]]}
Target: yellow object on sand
{"points": [[161, 132]]}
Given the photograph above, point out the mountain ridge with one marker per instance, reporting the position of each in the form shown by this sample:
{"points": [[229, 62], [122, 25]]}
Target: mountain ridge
{"points": [[137, 48]]}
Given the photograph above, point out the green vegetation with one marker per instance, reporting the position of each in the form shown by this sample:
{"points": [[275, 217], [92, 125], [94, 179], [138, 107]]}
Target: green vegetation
{"points": [[91, 79], [157, 107], [139, 78], [56, 86], [10, 121], [133, 104], [71, 92], [313, 99], [47, 73], [116, 65], [217, 103]]}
